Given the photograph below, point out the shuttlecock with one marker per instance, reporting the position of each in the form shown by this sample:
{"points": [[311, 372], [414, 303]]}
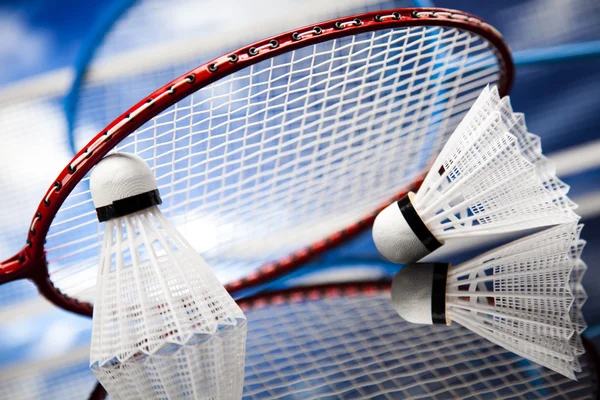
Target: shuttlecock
{"points": [[163, 327], [525, 296], [490, 177]]}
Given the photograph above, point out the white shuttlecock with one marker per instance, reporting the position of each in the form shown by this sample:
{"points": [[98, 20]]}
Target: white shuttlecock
{"points": [[525, 296], [164, 327], [490, 177]]}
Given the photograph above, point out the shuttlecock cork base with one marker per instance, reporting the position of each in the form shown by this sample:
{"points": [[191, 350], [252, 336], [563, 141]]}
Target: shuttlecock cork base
{"points": [[164, 327], [525, 296], [400, 234], [419, 293], [122, 184]]}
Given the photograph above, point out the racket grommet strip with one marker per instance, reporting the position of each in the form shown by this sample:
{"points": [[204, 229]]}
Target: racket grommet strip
{"points": [[233, 58], [213, 67], [191, 78], [382, 18], [341, 25], [38, 217], [273, 44], [460, 17], [443, 15], [315, 31], [57, 186]]}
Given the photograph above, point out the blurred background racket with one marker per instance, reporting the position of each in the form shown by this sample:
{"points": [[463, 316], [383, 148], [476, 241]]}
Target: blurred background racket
{"points": [[344, 340], [273, 153]]}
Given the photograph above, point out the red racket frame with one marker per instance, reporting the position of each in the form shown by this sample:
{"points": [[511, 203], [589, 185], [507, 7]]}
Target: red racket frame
{"points": [[31, 263]]}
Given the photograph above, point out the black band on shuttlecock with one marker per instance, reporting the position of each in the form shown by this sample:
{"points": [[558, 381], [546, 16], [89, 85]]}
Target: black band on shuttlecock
{"points": [[438, 293], [417, 225], [129, 205]]}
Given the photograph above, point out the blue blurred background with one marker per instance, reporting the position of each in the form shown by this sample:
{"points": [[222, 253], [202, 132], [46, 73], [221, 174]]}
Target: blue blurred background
{"points": [[46, 45]]}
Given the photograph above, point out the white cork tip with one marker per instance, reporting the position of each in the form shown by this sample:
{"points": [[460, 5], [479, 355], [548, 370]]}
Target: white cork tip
{"points": [[411, 293], [395, 239], [119, 176]]}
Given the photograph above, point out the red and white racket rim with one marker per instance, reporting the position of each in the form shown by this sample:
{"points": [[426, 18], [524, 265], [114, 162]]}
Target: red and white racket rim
{"points": [[31, 263]]}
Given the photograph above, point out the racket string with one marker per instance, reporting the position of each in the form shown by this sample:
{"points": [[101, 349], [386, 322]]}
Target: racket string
{"points": [[356, 347], [107, 135]]}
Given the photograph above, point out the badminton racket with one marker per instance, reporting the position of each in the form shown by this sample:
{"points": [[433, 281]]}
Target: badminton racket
{"points": [[274, 153], [344, 340]]}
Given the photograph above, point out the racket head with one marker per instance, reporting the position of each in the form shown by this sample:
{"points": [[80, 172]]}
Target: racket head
{"points": [[345, 340], [470, 54]]}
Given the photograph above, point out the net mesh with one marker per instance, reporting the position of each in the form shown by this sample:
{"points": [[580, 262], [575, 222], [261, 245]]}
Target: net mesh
{"points": [[526, 296], [294, 148], [491, 177], [347, 347]]}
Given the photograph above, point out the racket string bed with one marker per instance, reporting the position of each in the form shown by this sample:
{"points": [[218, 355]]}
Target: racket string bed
{"points": [[276, 152], [266, 157], [345, 341]]}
